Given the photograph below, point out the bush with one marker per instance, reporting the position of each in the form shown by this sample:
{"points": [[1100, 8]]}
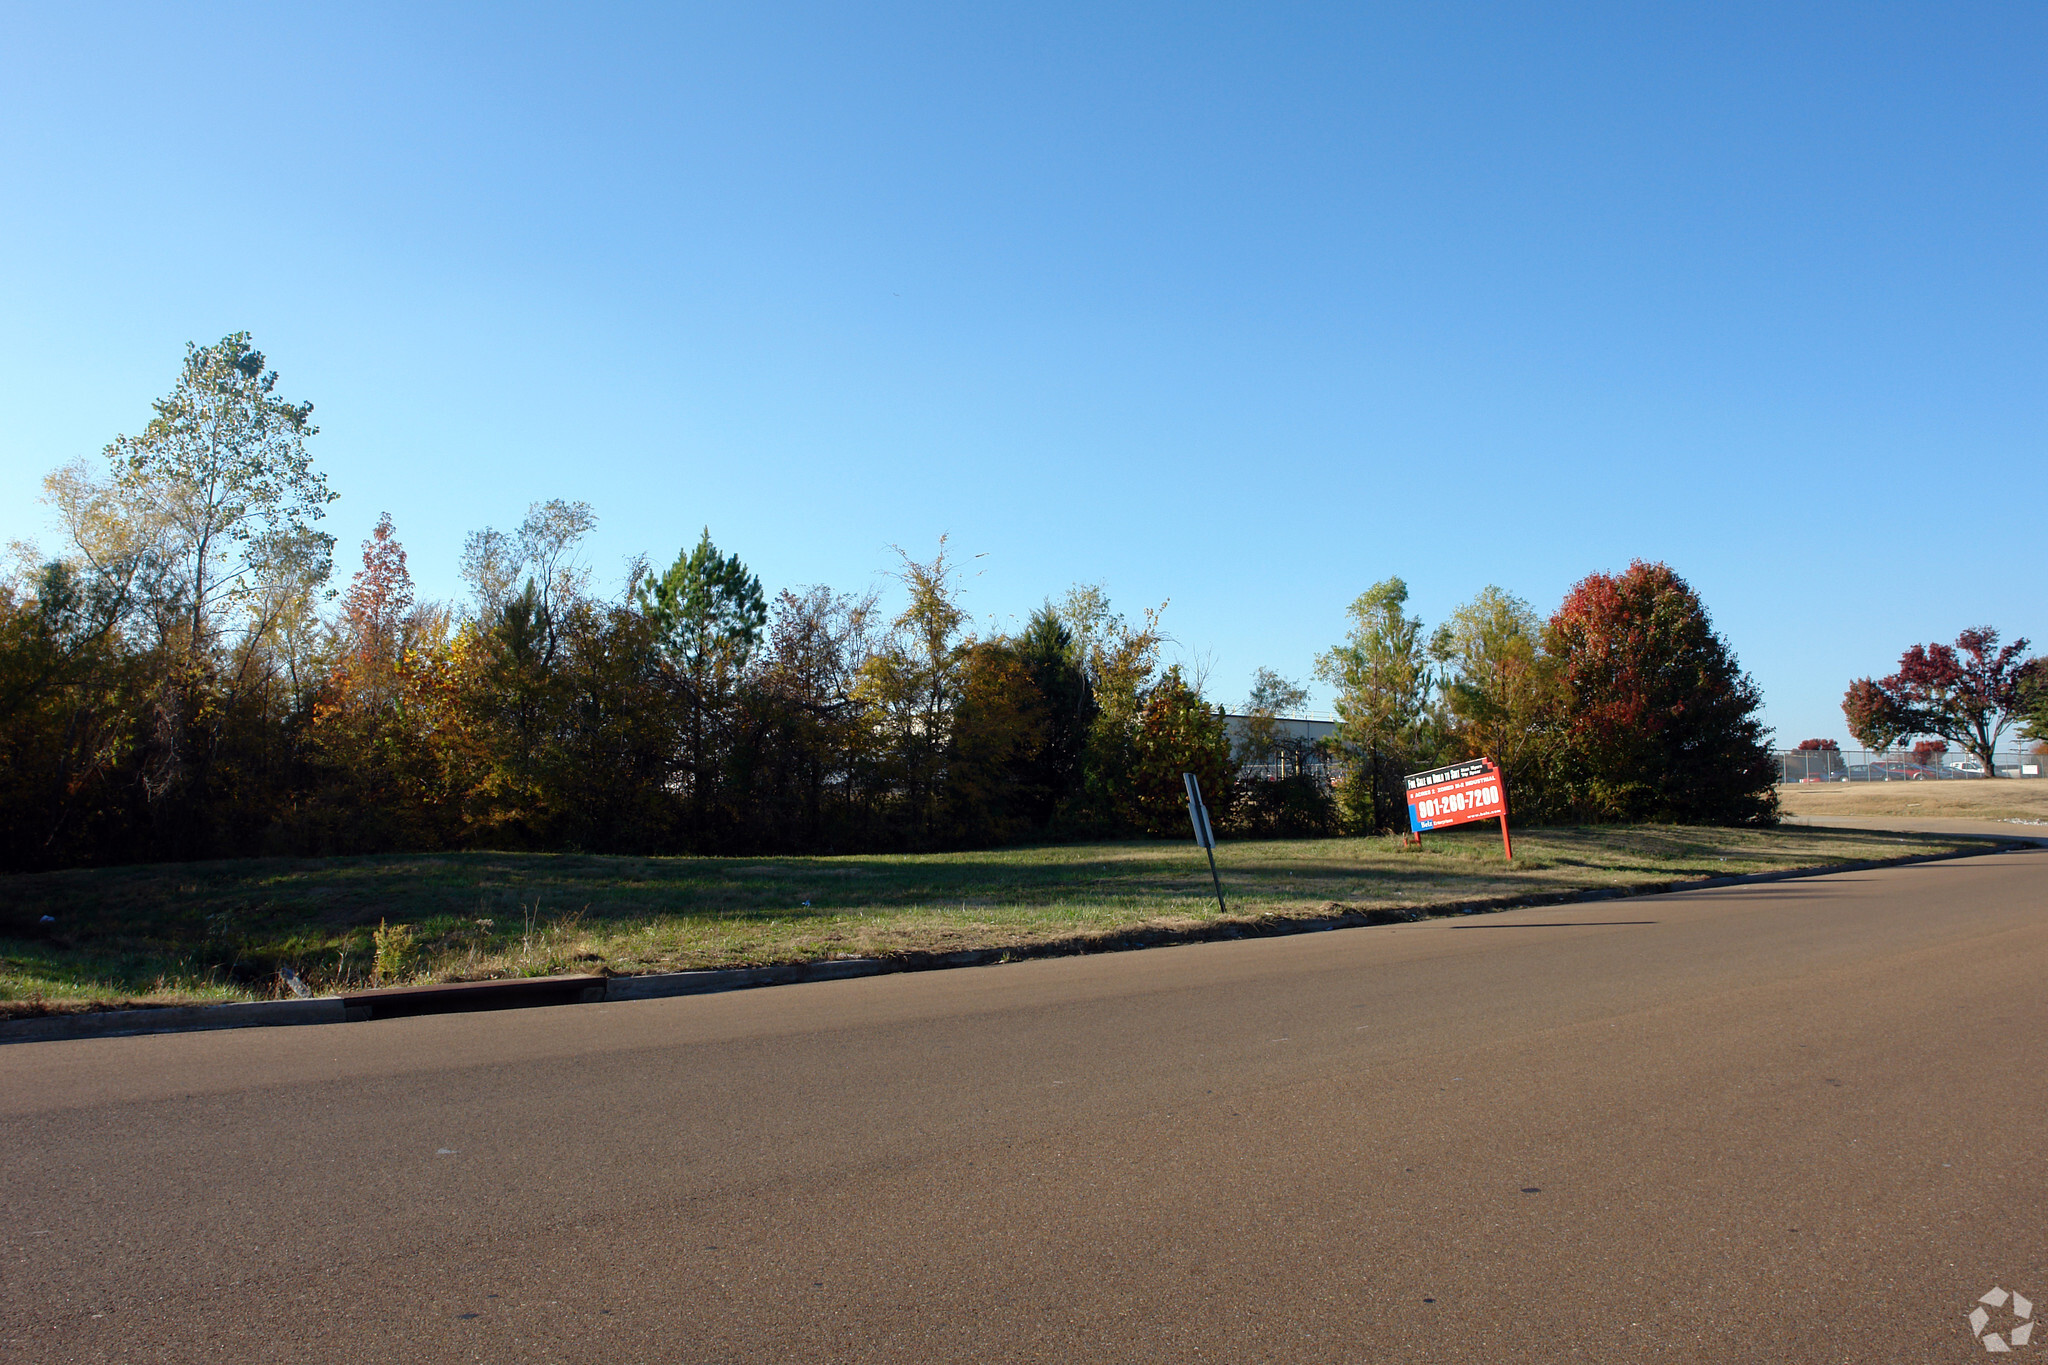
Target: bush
{"points": [[1297, 806]]}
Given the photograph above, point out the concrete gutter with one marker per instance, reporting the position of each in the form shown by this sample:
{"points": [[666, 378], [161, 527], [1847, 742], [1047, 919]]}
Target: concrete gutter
{"points": [[524, 992]]}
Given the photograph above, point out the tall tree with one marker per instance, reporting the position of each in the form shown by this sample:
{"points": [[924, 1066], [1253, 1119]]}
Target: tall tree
{"points": [[707, 607], [1384, 687], [205, 524], [224, 476], [1500, 693], [912, 683], [1053, 659], [1660, 719], [1119, 658], [378, 728], [374, 615], [814, 747], [706, 612], [999, 730], [1178, 732], [543, 552], [1968, 693]]}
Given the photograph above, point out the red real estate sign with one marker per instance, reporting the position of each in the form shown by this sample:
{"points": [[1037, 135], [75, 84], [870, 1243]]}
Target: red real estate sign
{"points": [[1456, 795]]}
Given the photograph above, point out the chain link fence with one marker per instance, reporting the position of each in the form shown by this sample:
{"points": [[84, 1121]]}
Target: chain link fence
{"points": [[1897, 765]]}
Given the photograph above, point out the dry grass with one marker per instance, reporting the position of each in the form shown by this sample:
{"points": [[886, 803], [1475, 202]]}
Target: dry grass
{"points": [[218, 931], [2003, 798]]}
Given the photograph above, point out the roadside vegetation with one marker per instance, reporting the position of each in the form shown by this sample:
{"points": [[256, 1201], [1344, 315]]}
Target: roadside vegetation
{"points": [[217, 931], [179, 681], [277, 780]]}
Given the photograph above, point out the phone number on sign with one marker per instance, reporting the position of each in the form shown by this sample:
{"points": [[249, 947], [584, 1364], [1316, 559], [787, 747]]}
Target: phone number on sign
{"points": [[1478, 797]]}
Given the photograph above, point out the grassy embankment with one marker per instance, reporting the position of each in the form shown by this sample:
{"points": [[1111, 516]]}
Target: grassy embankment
{"points": [[183, 933], [1964, 799]]}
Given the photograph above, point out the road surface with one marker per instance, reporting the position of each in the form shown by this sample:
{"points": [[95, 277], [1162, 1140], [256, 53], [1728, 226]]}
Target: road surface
{"points": [[1798, 1121]]}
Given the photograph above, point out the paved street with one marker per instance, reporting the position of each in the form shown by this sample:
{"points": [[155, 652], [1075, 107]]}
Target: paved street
{"points": [[1798, 1121]]}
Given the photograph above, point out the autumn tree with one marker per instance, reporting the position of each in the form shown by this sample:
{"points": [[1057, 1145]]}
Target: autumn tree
{"points": [[1817, 758], [912, 683], [204, 524], [1968, 693], [1500, 694], [1000, 727], [1119, 658], [1178, 732], [812, 750], [513, 671], [376, 614], [1384, 690], [71, 693], [380, 723], [1660, 720]]}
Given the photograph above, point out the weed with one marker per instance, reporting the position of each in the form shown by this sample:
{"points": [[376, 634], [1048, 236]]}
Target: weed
{"points": [[397, 953], [480, 931]]}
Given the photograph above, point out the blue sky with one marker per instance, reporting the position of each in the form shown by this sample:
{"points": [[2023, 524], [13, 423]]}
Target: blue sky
{"points": [[1245, 307]]}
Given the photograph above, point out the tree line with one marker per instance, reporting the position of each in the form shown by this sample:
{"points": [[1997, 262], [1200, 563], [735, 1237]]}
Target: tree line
{"points": [[180, 682]]}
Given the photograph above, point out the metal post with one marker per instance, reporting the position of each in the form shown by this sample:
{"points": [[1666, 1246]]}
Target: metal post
{"points": [[1506, 845], [1221, 908], [1205, 835]]}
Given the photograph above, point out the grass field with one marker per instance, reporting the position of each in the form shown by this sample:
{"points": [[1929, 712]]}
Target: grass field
{"points": [[1978, 799], [192, 932]]}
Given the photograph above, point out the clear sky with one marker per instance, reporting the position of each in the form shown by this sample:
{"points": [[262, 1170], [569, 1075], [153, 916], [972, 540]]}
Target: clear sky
{"points": [[1246, 307]]}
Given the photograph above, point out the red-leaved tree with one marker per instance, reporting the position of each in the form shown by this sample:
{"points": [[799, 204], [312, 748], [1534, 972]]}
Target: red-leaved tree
{"points": [[374, 616], [1660, 720], [1967, 693]]}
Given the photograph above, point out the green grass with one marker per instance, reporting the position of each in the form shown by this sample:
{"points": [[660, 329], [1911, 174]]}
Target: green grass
{"points": [[186, 932]]}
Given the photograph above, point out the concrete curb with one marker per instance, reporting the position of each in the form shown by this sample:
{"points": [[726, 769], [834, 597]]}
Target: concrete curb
{"points": [[462, 997], [177, 1019], [663, 985], [513, 993]]}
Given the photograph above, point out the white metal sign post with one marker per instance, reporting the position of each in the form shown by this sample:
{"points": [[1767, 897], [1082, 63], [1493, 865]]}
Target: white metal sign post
{"points": [[1205, 837]]}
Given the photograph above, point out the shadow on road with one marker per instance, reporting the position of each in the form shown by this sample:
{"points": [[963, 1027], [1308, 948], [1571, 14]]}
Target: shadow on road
{"points": [[1561, 924]]}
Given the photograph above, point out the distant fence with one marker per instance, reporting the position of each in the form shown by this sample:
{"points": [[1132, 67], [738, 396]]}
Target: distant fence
{"points": [[1794, 765], [1315, 766], [1895, 765]]}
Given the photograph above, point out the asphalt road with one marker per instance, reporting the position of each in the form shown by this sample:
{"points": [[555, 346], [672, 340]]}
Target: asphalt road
{"points": [[1791, 1122], [1997, 829]]}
